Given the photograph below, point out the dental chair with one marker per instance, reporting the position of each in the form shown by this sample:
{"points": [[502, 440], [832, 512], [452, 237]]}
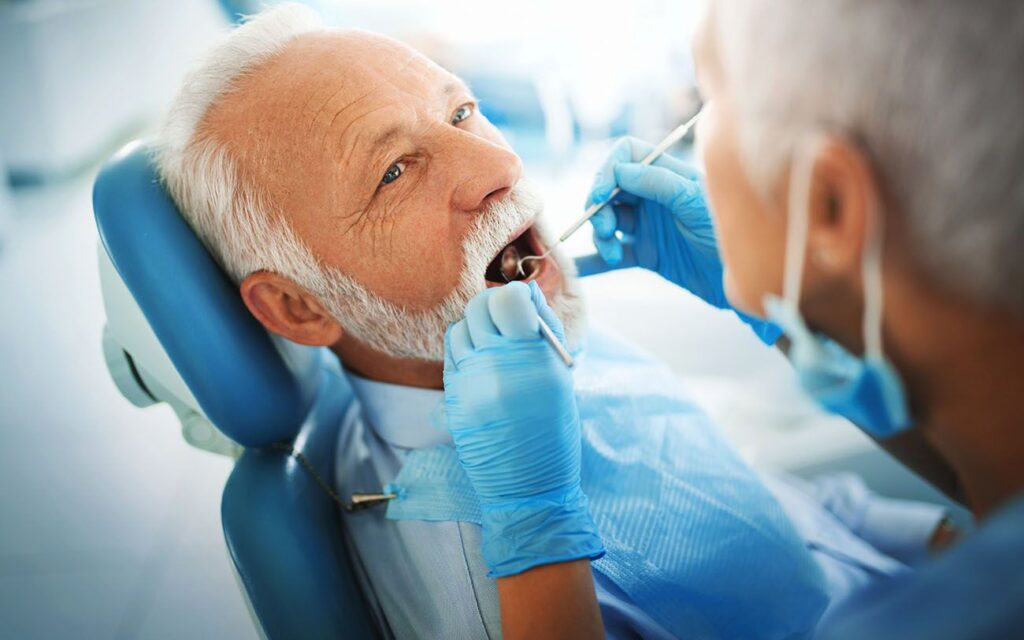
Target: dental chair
{"points": [[177, 332]]}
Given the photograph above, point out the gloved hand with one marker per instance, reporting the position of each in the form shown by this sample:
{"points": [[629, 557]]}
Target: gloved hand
{"points": [[510, 407], [660, 221], [662, 217]]}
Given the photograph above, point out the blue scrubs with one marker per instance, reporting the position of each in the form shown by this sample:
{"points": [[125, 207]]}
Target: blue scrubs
{"points": [[975, 590]]}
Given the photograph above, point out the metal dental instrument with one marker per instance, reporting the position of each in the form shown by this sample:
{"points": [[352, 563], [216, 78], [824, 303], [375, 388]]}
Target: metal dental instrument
{"points": [[552, 339], [663, 146], [509, 263], [362, 501]]}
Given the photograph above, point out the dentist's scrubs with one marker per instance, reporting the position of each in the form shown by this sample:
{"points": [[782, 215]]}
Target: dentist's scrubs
{"points": [[974, 590]]}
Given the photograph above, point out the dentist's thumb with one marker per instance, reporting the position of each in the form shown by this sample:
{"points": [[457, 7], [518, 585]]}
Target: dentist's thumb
{"points": [[513, 312]]}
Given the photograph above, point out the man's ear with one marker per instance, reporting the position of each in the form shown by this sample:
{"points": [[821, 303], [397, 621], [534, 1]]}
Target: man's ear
{"points": [[845, 194], [288, 310]]}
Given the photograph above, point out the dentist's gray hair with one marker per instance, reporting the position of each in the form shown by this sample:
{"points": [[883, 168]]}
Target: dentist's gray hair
{"points": [[933, 91]]}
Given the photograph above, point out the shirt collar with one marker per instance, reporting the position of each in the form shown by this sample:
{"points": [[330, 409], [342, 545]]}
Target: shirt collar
{"points": [[400, 415]]}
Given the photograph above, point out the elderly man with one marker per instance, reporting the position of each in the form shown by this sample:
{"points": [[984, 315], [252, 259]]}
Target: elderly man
{"points": [[352, 190]]}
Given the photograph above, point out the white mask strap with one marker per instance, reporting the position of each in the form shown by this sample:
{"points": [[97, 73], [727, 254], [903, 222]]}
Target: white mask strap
{"points": [[796, 248], [799, 221], [871, 271]]}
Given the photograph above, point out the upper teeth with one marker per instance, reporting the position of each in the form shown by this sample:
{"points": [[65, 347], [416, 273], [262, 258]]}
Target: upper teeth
{"points": [[510, 262]]}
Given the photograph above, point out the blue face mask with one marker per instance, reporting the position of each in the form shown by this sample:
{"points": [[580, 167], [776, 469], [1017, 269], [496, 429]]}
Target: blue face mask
{"points": [[866, 390]]}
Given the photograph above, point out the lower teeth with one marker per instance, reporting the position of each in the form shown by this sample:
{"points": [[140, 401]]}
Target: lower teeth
{"points": [[510, 263]]}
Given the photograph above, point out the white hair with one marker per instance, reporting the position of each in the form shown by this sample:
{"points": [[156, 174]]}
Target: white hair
{"points": [[932, 91], [231, 218], [245, 234]]}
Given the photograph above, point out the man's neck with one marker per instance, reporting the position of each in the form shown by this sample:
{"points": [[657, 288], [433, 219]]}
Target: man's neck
{"points": [[373, 365], [964, 369]]}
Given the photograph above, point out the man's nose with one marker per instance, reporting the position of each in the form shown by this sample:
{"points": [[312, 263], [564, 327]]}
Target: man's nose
{"points": [[488, 170]]}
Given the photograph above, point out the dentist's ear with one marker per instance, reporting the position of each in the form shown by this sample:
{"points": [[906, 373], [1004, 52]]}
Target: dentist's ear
{"points": [[844, 194], [287, 309]]}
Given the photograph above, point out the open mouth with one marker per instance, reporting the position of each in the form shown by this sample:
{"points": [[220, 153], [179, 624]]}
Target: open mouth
{"points": [[504, 267]]}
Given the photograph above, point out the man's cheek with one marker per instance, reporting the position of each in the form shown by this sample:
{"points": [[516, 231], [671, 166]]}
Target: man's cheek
{"points": [[434, 253], [552, 288]]}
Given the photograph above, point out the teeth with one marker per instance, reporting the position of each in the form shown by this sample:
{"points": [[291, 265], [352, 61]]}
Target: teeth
{"points": [[510, 263]]}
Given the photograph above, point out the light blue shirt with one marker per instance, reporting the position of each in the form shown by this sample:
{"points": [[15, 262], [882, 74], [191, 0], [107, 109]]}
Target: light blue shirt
{"points": [[428, 579]]}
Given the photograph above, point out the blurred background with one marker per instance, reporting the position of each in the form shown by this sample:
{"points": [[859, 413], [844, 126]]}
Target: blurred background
{"points": [[109, 521]]}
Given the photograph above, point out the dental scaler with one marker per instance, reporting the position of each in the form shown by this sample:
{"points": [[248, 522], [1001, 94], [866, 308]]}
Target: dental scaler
{"points": [[663, 146], [509, 264]]}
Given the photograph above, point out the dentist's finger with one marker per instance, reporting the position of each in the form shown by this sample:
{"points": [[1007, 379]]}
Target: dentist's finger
{"points": [[478, 319], [664, 187], [604, 180], [610, 250], [460, 342], [513, 311], [546, 313], [449, 360], [604, 222]]}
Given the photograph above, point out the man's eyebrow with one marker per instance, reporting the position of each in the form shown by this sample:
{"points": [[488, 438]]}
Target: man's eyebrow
{"points": [[388, 135], [366, 149], [378, 146], [454, 87], [385, 137]]}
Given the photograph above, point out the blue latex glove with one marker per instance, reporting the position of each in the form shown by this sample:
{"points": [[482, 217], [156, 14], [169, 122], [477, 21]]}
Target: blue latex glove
{"points": [[661, 215], [660, 221], [510, 407]]}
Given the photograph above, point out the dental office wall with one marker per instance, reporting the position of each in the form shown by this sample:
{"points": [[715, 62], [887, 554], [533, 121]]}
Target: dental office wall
{"points": [[109, 522]]}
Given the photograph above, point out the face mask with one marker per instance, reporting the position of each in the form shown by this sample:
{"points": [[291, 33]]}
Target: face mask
{"points": [[867, 390]]}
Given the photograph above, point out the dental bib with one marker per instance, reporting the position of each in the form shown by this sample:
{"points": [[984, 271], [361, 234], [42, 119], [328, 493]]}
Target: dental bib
{"points": [[692, 536]]}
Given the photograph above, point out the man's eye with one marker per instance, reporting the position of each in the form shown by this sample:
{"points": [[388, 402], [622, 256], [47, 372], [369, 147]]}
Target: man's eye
{"points": [[393, 173], [462, 113]]}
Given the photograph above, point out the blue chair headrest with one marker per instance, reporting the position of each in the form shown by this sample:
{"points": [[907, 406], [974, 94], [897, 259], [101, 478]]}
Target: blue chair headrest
{"points": [[247, 387]]}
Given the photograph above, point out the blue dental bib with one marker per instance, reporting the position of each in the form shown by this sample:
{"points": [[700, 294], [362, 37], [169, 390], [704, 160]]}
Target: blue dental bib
{"points": [[693, 537]]}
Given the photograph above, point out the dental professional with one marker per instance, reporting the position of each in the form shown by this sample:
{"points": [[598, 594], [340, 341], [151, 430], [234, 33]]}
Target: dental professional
{"points": [[863, 197]]}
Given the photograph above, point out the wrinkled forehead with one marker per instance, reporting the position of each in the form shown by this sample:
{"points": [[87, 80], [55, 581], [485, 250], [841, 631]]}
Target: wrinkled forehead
{"points": [[318, 87], [352, 64]]}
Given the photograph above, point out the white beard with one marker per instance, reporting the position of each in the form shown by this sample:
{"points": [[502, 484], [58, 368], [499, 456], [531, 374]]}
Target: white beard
{"points": [[401, 333]]}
